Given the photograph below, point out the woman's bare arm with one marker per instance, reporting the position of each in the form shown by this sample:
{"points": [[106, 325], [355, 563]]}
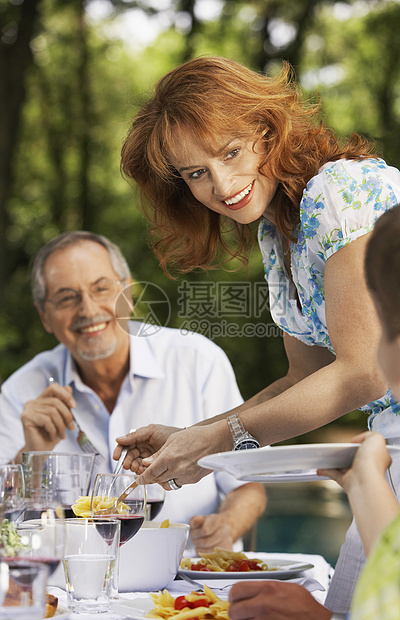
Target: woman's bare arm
{"points": [[351, 380]]}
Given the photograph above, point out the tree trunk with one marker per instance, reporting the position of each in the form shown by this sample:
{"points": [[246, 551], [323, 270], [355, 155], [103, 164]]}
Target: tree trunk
{"points": [[88, 210], [18, 22]]}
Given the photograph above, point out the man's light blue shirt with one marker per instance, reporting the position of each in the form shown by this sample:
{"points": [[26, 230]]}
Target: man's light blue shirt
{"points": [[176, 379]]}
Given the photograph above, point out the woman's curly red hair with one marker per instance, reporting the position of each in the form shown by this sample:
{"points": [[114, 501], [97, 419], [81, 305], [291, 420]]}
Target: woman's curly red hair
{"points": [[215, 98]]}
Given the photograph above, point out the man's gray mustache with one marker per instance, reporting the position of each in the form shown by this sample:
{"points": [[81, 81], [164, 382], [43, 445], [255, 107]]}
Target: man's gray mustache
{"points": [[86, 322]]}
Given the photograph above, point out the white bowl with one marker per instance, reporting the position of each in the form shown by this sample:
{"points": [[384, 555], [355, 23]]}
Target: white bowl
{"points": [[150, 560]]}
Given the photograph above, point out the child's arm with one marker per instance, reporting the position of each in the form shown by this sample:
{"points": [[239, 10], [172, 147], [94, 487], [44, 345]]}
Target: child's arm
{"points": [[371, 499]]}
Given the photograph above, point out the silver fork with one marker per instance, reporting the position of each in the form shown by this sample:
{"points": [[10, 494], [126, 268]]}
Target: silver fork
{"points": [[84, 443], [200, 586]]}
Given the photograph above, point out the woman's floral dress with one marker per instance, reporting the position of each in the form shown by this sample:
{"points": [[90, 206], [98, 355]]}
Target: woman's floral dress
{"points": [[340, 204]]}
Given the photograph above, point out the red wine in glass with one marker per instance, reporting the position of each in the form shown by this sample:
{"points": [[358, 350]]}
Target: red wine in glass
{"points": [[130, 525], [17, 561], [154, 506], [25, 575]]}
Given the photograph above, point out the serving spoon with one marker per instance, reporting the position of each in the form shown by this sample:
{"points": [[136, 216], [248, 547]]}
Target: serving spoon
{"points": [[114, 507], [121, 459]]}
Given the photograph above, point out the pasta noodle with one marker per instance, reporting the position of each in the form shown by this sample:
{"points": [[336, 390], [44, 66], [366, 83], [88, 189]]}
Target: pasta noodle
{"points": [[202, 605], [81, 508], [221, 560]]}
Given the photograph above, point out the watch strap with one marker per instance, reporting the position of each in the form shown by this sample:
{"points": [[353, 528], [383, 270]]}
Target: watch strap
{"points": [[236, 427]]}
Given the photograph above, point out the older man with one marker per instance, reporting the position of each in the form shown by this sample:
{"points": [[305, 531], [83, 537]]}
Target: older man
{"points": [[113, 381]]}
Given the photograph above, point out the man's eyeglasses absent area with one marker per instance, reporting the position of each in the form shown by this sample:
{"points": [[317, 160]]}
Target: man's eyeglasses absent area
{"points": [[69, 298]]}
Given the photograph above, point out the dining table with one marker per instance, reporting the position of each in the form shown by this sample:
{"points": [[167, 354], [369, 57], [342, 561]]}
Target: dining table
{"points": [[128, 606]]}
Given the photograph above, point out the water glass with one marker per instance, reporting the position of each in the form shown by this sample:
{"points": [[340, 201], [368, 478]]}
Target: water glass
{"points": [[12, 492], [91, 551], [55, 480], [22, 590]]}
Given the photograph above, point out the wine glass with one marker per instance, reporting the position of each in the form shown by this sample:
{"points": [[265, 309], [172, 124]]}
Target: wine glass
{"points": [[12, 492], [22, 590], [155, 497], [130, 512], [39, 541]]}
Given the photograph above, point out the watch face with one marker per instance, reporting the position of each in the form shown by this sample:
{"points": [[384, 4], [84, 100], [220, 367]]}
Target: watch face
{"points": [[247, 444]]}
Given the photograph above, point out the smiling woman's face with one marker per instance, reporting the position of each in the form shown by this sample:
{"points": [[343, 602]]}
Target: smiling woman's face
{"points": [[230, 182]]}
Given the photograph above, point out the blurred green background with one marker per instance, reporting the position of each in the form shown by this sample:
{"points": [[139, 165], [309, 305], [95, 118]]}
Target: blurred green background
{"points": [[72, 75]]}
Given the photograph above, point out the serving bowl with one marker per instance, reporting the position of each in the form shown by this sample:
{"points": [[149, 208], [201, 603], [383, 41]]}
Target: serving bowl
{"points": [[150, 560]]}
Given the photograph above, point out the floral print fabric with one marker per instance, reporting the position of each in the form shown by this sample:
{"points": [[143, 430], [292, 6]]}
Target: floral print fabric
{"points": [[340, 204]]}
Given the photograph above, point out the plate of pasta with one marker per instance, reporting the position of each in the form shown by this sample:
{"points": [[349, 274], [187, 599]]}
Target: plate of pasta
{"points": [[163, 606], [223, 564]]}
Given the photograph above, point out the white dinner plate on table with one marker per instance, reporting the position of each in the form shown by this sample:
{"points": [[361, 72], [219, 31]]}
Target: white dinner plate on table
{"points": [[277, 566], [297, 463], [136, 608]]}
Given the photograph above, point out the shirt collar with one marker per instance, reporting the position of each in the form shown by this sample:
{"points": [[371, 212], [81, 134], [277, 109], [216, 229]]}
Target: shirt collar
{"points": [[142, 359], [143, 362]]}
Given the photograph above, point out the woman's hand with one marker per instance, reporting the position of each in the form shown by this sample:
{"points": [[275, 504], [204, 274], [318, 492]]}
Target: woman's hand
{"points": [[177, 457], [143, 442]]}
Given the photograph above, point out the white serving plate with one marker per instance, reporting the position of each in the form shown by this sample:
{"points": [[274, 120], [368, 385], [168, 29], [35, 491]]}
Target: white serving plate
{"points": [[296, 463]]}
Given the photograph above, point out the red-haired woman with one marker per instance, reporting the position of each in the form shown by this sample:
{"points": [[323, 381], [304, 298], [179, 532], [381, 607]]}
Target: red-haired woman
{"points": [[217, 148]]}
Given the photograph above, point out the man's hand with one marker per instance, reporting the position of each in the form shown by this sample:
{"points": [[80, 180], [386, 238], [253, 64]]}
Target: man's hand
{"points": [[210, 531], [46, 417], [275, 600]]}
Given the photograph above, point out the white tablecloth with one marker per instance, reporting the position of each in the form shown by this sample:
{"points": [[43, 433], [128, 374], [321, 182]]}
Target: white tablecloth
{"points": [[316, 580]]}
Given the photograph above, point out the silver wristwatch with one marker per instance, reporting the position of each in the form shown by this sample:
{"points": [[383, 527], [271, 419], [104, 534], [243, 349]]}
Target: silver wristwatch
{"points": [[242, 440]]}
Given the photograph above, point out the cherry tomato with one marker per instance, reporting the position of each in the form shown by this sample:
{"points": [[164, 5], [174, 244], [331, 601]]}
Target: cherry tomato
{"points": [[181, 602], [201, 602], [202, 567], [243, 566], [233, 567]]}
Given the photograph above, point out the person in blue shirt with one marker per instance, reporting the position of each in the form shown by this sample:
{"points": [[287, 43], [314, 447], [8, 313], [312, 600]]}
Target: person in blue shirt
{"points": [[109, 376]]}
